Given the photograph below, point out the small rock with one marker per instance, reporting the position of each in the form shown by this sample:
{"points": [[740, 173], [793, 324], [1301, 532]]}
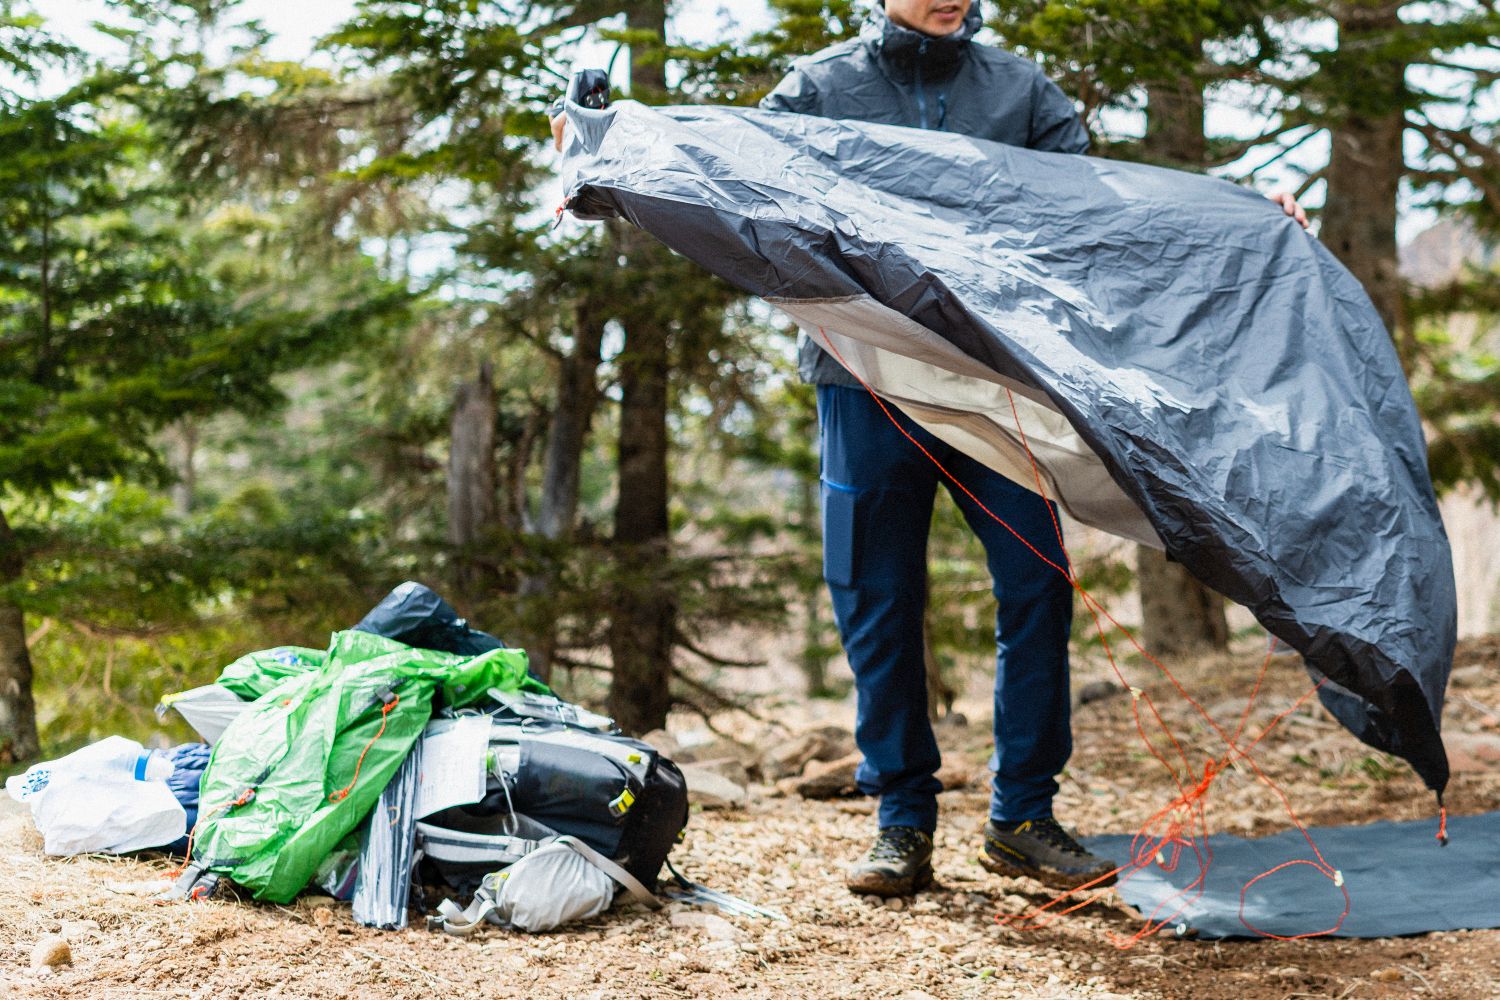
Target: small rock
{"points": [[715, 926], [51, 951], [711, 789], [825, 743], [1472, 751], [662, 741], [720, 929], [1474, 675], [1391, 975], [726, 767], [1098, 691], [829, 780], [953, 776], [77, 930], [895, 903]]}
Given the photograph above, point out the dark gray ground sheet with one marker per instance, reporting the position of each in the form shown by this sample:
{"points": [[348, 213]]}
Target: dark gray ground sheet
{"points": [[1400, 881], [1225, 369]]}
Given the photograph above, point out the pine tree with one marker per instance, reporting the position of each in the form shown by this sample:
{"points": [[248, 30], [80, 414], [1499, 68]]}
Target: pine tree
{"points": [[116, 322], [1407, 99]]}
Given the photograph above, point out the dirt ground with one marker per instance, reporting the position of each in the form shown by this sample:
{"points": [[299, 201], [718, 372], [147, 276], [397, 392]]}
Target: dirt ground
{"points": [[788, 853]]}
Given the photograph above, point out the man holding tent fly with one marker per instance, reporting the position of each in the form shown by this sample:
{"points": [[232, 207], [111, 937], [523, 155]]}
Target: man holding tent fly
{"points": [[915, 64]]}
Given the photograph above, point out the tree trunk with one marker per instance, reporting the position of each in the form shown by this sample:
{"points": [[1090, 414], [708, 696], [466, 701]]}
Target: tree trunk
{"points": [[184, 437], [577, 399], [18, 736], [1366, 164], [1174, 124], [1179, 615], [643, 618], [941, 694], [813, 660], [562, 462], [471, 483]]}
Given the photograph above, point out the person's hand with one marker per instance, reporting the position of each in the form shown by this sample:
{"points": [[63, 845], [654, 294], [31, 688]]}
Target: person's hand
{"points": [[1285, 199], [560, 122]]}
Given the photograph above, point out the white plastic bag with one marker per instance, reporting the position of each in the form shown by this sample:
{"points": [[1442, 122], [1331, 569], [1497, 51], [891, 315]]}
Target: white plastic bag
{"points": [[109, 797], [113, 757]]}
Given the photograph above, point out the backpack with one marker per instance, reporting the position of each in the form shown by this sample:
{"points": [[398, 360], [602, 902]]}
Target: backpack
{"points": [[618, 797]]}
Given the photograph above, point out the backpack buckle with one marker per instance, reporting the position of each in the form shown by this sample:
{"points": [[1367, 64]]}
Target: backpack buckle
{"points": [[621, 804]]}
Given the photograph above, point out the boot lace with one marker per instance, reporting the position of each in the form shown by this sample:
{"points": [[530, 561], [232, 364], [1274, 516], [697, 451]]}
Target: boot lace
{"points": [[897, 843]]}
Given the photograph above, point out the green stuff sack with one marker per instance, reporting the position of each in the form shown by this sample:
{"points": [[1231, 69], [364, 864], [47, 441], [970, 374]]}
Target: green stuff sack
{"points": [[253, 674], [299, 770]]}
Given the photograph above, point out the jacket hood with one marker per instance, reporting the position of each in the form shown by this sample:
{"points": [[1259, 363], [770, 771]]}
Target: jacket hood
{"points": [[902, 50]]}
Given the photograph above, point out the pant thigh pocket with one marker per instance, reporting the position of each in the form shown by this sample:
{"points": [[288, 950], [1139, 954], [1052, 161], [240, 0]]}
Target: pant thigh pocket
{"points": [[840, 533]]}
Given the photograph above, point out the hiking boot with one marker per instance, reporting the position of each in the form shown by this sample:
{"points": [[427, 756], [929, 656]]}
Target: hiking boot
{"points": [[899, 864], [1041, 849]]}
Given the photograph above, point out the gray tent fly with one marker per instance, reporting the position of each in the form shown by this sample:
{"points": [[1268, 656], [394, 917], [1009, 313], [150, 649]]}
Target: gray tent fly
{"points": [[1190, 368]]}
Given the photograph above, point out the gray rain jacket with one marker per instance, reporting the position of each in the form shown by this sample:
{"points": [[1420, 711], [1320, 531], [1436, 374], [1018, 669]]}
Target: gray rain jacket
{"points": [[895, 76]]}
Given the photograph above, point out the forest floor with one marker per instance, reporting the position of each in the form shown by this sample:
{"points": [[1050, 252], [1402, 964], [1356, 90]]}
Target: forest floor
{"points": [[788, 853]]}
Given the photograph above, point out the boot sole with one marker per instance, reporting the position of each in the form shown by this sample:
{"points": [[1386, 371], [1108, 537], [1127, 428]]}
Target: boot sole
{"points": [[1051, 879], [887, 887]]}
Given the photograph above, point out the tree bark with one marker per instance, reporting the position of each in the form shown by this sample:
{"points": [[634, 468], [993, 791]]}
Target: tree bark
{"points": [[813, 661], [1179, 615], [1174, 124], [184, 436], [941, 693], [472, 508], [18, 735], [643, 618], [562, 462], [577, 399], [642, 622], [1367, 162]]}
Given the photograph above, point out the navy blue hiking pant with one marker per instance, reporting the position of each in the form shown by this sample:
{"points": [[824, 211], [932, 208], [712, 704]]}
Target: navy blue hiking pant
{"points": [[878, 492]]}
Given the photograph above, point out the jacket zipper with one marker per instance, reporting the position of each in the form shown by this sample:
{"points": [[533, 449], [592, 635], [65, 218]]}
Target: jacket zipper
{"points": [[921, 97]]}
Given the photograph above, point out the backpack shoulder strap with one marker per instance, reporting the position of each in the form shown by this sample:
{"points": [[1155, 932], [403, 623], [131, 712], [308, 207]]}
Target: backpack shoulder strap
{"points": [[631, 884]]}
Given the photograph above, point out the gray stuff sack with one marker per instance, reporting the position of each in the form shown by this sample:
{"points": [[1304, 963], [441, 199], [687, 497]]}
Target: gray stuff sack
{"points": [[557, 883]]}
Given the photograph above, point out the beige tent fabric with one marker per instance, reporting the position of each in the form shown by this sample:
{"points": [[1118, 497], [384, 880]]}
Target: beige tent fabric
{"points": [[964, 404]]}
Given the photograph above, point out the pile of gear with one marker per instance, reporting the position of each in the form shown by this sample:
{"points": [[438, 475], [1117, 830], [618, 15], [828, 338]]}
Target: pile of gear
{"points": [[415, 758]]}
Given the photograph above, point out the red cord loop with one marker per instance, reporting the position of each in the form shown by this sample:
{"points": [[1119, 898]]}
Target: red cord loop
{"points": [[385, 711]]}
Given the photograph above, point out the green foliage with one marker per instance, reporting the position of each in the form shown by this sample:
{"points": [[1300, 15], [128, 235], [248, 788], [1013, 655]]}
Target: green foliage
{"points": [[95, 683]]}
